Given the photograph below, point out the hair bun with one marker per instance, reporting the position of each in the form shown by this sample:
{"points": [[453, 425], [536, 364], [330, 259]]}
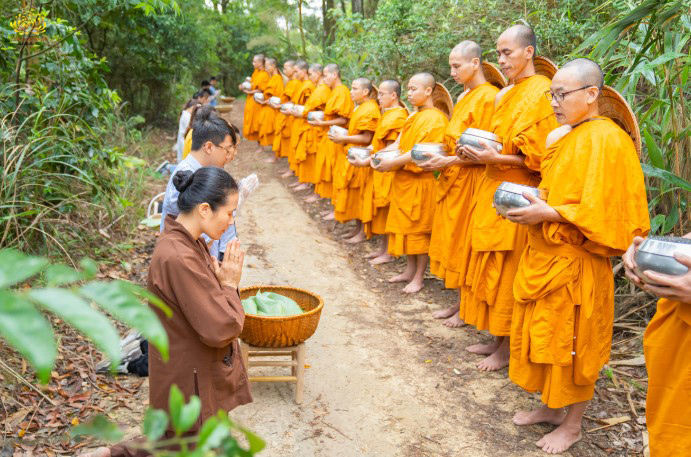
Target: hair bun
{"points": [[182, 180]]}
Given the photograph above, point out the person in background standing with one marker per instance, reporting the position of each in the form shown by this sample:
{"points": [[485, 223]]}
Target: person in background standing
{"points": [[214, 91]]}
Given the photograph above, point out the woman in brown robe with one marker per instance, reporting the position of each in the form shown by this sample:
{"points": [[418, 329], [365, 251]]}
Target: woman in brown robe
{"points": [[203, 295]]}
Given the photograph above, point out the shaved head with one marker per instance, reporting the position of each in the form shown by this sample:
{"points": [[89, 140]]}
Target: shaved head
{"points": [[523, 35], [365, 84], [468, 49], [393, 86], [289, 62], [425, 80], [260, 57], [587, 72], [317, 67], [272, 61], [302, 65], [333, 68]]}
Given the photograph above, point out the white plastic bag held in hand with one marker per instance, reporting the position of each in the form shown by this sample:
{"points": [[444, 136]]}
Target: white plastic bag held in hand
{"points": [[247, 185]]}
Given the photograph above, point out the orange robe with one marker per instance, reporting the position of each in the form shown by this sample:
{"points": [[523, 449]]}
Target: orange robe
{"points": [[267, 114], [349, 181], [283, 122], [561, 331], [309, 135], [303, 93], [522, 118], [456, 186], [668, 407], [339, 105], [411, 211], [250, 123], [375, 196]]}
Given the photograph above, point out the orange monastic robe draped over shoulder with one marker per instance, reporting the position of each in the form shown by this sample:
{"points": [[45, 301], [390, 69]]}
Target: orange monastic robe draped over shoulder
{"points": [[411, 212], [456, 186], [349, 181], [375, 196], [309, 135], [267, 115], [561, 331], [283, 122], [303, 93], [250, 123], [522, 118], [667, 357], [339, 105]]}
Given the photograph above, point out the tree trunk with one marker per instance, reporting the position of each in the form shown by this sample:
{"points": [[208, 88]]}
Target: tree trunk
{"points": [[357, 6], [327, 6], [371, 8], [302, 30]]}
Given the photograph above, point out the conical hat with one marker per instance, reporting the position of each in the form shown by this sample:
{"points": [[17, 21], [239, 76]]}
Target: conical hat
{"points": [[544, 66], [493, 75], [404, 106], [615, 107], [285, 78], [442, 100]]}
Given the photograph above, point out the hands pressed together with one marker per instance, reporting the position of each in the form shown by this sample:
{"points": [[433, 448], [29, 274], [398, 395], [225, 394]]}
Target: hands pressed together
{"points": [[229, 272]]}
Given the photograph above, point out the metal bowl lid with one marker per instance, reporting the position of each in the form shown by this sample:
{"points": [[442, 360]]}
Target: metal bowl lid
{"points": [[483, 134], [275, 99], [438, 148], [389, 153], [666, 245], [359, 150], [337, 129], [520, 189]]}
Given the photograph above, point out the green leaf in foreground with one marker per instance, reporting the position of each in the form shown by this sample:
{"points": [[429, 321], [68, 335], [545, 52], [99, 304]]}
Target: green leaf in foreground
{"points": [[213, 432], [666, 176], [58, 275], [118, 299], [25, 329], [256, 443], [100, 428], [183, 416], [16, 267], [155, 424], [79, 314]]}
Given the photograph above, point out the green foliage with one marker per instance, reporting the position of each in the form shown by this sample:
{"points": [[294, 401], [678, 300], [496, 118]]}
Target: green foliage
{"points": [[24, 326]]}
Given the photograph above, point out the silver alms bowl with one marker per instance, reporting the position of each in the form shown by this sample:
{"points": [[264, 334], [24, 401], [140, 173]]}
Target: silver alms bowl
{"points": [[357, 153], [315, 116], [246, 85], [422, 152], [656, 253], [472, 138], [287, 106], [275, 100], [258, 97], [509, 196], [338, 131], [299, 109], [385, 155]]}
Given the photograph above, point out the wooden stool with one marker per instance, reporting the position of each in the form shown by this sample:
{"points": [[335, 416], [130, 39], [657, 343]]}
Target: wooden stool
{"points": [[296, 364]]}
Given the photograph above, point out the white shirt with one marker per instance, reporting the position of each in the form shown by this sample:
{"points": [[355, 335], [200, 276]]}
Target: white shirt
{"points": [[182, 128]]}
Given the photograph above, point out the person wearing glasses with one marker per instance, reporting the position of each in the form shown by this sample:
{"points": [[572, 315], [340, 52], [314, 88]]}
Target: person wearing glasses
{"points": [[522, 119], [595, 205]]}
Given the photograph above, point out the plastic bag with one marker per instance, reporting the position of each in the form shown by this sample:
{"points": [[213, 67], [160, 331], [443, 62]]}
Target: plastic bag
{"points": [[272, 304]]}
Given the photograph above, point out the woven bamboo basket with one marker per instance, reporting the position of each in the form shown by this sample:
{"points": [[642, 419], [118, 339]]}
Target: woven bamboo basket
{"points": [[544, 66], [227, 99], [224, 108], [614, 106], [442, 100], [279, 332], [493, 75]]}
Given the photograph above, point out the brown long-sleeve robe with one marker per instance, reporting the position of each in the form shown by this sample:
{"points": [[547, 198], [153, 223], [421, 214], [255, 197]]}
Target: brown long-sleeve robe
{"points": [[202, 332]]}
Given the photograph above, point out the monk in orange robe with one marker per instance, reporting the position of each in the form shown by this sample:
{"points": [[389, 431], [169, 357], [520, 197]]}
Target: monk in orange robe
{"points": [[376, 194], [522, 119], [336, 112], [411, 212], [561, 331], [302, 93], [259, 80], [309, 134], [282, 121], [267, 115], [667, 359], [349, 181], [459, 177]]}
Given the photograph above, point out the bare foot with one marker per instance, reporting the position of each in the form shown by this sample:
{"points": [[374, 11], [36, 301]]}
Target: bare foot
{"points": [[454, 321], [496, 361], [359, 237], [312, 198], [326, 213], [270, 160], [384, 258], [374, 255], [329, 217], [287, 174], [259, 150], [445, 313], [99, 452], [414, 286], [541, 415], [560, 439], [294, 184], [483, 349], [301, 187], [403, 277]]}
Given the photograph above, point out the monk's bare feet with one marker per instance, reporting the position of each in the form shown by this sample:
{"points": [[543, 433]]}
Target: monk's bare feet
{"points": [[100, 452], [403, 277], [357, 238], [498, 360], [483, 349], [414, 286], [382, 259], [301, 187], [271, 159], [445, 313], [541, 415], [312, 198], [560, 439], [329, 217], [294, 184], [326, 213], [454, 321], [287, 174], [259, 150], [374, 255]]}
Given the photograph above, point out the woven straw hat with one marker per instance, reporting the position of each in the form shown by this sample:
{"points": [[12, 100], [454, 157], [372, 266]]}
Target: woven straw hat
{"points": [[544, 66], [442, 100], [615, 107], [493, 75]]}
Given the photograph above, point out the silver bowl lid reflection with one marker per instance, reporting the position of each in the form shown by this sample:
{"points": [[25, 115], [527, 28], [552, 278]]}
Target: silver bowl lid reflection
{"points": [[484, 134], [519, 189], [666, 245]]}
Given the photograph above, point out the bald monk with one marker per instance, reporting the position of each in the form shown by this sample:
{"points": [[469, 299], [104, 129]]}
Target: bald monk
{"points": [[306, 148], [376, 194], [561, 330], [349, 181], [522, 119], [302, 93], [267, 114], [459, 177], [283, 121], [411, 212], [259, 80], [667, 359], [336, 112]]}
